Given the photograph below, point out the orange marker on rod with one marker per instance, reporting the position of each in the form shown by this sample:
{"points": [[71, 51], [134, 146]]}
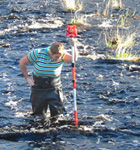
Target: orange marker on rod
{"points": [[72, 32]]}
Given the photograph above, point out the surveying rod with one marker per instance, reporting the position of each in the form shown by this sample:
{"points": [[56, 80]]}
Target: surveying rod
{"points": [[72, 32], [74, 87]]}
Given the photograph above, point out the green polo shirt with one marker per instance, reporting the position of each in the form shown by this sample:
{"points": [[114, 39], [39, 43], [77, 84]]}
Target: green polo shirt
{"points": [[44, 66]]}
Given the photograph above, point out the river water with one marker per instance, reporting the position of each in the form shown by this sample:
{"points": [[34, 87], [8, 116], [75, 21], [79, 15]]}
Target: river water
{"points": [[108, 90]]}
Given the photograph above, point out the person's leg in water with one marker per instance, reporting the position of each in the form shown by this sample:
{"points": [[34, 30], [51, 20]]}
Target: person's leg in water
{"points": [[39, 104], [56, 104]]}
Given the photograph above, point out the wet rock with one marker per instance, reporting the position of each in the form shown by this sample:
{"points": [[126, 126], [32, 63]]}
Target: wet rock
{"points": [[7, 45]]}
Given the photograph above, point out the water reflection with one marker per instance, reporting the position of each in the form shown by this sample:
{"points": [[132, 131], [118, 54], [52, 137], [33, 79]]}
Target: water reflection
{"points": [[107, 90]]}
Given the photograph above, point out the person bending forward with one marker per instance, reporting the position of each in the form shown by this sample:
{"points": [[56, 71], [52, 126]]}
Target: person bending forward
{"points": [[46, 86]]}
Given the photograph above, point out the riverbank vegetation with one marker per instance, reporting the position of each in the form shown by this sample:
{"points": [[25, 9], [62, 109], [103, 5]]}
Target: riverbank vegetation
{"points": [[119, 35]]}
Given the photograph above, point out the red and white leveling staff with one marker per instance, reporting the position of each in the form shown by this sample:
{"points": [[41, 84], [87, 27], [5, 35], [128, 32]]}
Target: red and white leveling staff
{"points": [[72, 32]]}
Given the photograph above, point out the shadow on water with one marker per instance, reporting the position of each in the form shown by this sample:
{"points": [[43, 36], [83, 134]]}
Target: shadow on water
{"points": [[41, 134]]}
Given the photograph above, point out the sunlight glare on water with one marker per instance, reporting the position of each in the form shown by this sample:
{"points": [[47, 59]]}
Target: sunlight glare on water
{"points": [[107, 89]]}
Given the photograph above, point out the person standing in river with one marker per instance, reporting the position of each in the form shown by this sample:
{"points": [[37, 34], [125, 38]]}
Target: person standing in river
{"points": [[46, 86]]}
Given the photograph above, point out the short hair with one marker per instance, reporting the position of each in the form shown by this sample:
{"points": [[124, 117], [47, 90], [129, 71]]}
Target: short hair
{"points": [[55, 47]]}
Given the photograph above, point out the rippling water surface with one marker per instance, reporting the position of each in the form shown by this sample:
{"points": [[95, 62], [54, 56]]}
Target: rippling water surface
{"points": [[108, 93]]}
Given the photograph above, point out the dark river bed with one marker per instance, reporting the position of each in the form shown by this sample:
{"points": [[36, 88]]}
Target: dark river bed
{"points": [[108, 90]]}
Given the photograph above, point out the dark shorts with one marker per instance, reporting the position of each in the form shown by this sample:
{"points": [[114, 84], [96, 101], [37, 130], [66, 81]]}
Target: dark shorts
{"points": [[47, 92]]}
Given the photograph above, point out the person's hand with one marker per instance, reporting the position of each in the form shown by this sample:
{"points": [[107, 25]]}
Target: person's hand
{"points": [[30, 81], [73, 41]]}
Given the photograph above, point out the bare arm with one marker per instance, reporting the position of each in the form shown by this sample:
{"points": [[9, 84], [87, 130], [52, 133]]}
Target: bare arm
{"points": [[68, 57], [23, 62]]}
